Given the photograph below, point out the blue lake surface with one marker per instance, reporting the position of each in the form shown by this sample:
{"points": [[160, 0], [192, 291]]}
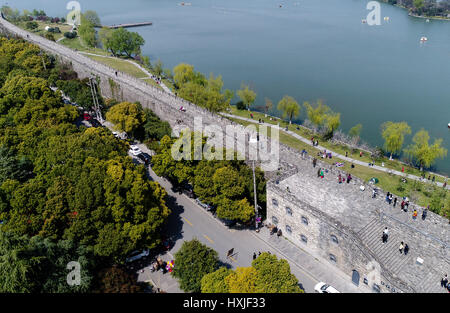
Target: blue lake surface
{"points": [[308, 49]]}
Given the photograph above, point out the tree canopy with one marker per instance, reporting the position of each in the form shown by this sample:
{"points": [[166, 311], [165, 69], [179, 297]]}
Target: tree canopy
{"points": [[247, 95], [289, 107], [394, 135], [192, 262], [422, 152], [122, 42], [266, 275]]}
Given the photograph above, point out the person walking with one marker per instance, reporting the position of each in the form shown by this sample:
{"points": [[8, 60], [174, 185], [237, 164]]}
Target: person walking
{"points": [[424, 213], [314, 162], [254, 255], [414, 216], [402, 246], [434, 178], [444, 281], [259, 253], [385, 235], [406, 250], [349, 178], [318, 172], [395, 201], [321, 173], [340, 178], [387, 196], [390, 199]]}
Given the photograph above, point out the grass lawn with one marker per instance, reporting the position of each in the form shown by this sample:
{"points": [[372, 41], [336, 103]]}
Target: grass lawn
{"points": [[387, 182], [120, 65], [41, 28], [341, 149]]}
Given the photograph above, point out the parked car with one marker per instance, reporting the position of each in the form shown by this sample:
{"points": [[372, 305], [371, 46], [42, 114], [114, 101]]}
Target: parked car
{"points": [[86, 116], [145, 157], [325, 288], [136, 255], [95, 123], [115, 134], [188, 190], [206, 206], [134, 150]]}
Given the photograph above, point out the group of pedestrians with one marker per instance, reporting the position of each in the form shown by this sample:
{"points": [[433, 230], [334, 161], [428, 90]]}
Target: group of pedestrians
{"points": [[342, 179], [404, 248], [314, 143]]}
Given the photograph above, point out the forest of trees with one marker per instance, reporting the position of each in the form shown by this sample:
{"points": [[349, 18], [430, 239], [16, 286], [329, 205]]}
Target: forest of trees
{"points": [[67, 193]]}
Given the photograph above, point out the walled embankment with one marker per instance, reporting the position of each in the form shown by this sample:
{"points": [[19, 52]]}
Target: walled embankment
{"points": [[124, 87]]}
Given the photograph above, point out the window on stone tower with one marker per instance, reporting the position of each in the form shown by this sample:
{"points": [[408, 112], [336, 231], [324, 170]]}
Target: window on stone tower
{"points": [[288, 229], [303, 238], [332, 258], [275, 202], [305, 220], [334, 239], [288, 211], [274, 220]]}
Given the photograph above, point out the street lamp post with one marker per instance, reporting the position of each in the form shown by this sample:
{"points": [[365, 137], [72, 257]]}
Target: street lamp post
{"points": [[255, 141]]}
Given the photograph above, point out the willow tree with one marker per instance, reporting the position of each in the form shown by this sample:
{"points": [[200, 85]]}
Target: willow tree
{"points": [[424, 153], [247, 95], [394, 135], [289, 107], [322, 116]]}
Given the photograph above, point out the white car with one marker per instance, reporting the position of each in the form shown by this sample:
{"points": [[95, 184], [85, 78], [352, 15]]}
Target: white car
{"points": [[136, 255], [135, 150], [325, 288]]}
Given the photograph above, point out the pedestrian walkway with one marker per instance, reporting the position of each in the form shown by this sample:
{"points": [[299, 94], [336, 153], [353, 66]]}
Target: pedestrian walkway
{"points": [[165, 282], [317, 269], [337, 155]]}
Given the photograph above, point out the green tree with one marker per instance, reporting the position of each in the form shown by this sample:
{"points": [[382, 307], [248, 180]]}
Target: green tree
{"points": [[424, 153], [242, 280], [289, 107], [158, 68], [355, 131], [274, 276], [183, 73], [126, 116], [246, 95], [192, 262], [116, 280], [215, 282], [418, 4], [268, 105], [394, 135], [121, 41], [322, 116], [92, 17], [31, 25], [87, 32]]}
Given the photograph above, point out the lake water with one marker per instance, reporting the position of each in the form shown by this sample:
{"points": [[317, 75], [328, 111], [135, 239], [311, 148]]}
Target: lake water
{"points": [[308, 49]]}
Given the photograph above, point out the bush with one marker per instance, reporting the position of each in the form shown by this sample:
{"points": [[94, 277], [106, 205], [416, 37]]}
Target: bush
{"points": [[49, 37], [31, 25], [240, 105], [54, 30], [70, 35]]}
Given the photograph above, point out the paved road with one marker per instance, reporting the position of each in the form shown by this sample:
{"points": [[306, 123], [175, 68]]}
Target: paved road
{"points": [[188, 221], [340, 156]]}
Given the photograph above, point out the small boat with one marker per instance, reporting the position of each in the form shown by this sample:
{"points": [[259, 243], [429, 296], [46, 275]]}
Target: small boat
{"points": [[386, 18], [428, 20], [363, 21], [423, 39], [448, 125]]}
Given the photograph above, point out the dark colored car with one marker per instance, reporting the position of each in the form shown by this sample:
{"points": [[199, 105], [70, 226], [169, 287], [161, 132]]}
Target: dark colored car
{"points": [[188, 190], [95, 123]]}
